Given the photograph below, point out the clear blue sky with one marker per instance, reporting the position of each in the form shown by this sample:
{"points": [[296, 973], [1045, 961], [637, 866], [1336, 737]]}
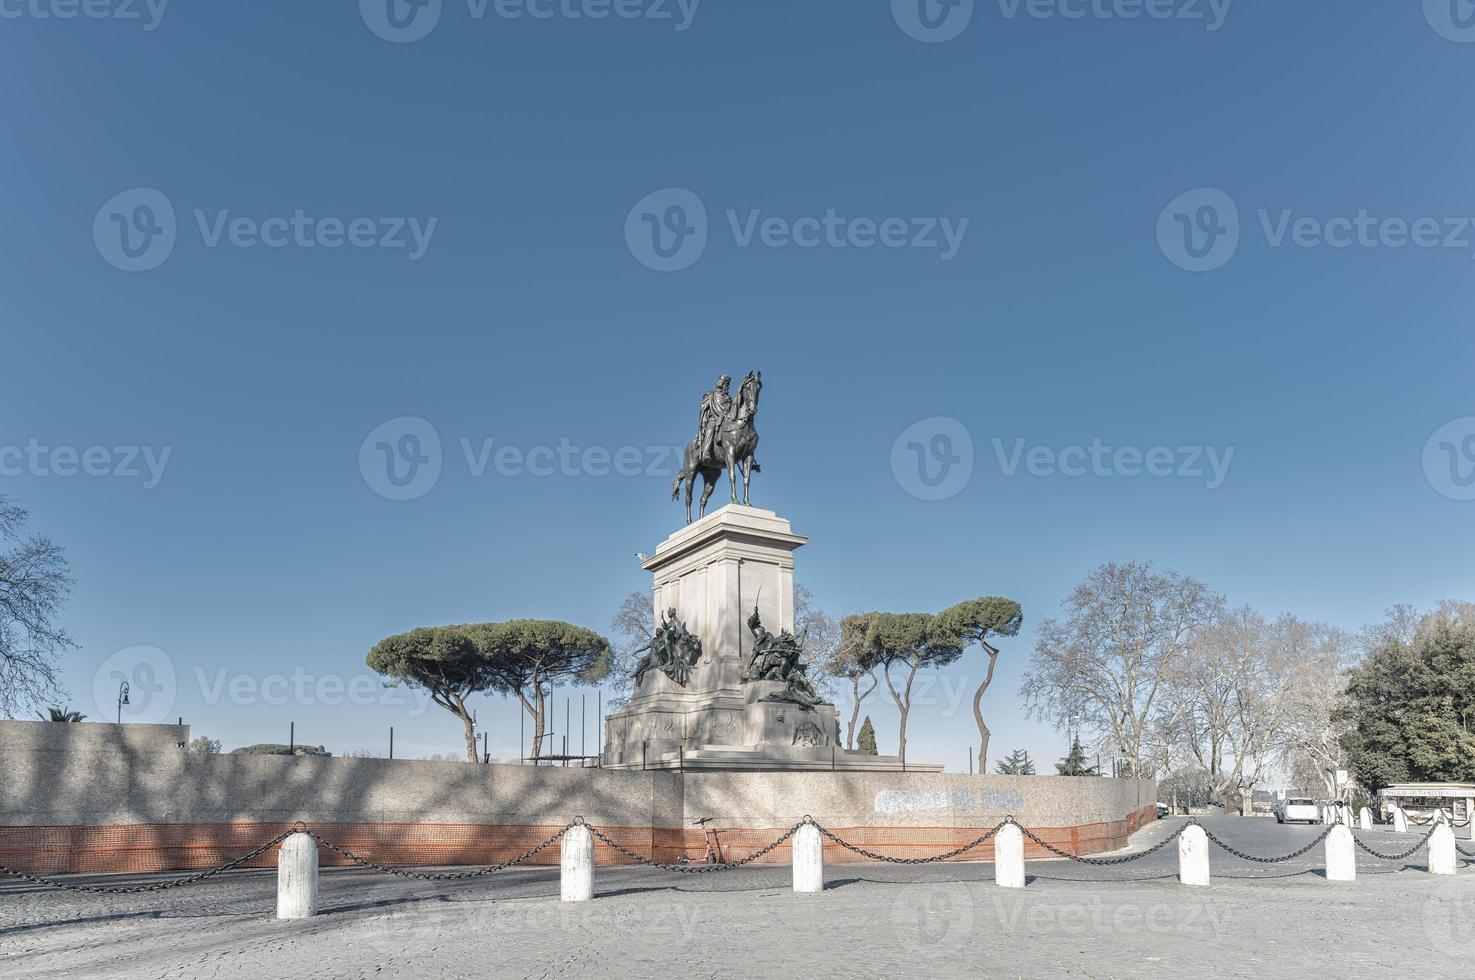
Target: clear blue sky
{"points": [[529, 319]]}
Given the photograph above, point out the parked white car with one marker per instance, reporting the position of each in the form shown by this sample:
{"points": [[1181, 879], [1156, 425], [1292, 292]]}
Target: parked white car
{"points": [[1297, 809]]}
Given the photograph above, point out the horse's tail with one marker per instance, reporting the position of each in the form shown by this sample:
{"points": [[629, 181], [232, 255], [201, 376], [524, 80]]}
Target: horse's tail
{"points": [[676, 486]]}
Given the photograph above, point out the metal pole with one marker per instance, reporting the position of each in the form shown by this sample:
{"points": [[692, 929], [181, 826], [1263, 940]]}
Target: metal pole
{"points": [[643, 747], [970, 760], [583, 718], [599, 727], [292, 739], [391, 741], [522, 717]]}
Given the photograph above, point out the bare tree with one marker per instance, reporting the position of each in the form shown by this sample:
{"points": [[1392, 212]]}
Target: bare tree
{"points": [[1110, 663], [34, 582], [633, 625], [1312, 749]]}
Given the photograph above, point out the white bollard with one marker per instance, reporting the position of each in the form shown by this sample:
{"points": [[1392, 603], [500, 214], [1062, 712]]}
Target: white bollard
{"points": [[1193, 856], [1400, 820], [1328, 816], [809, 860], [1365, 819], [1442, 850], [576, 865], [297, 877], [1009, 856], [1341, 855]]}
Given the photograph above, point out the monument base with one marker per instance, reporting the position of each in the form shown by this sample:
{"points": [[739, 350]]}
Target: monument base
{"points": [[714, 573]]}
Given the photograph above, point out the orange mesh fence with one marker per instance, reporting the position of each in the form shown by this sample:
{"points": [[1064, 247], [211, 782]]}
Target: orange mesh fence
{"points": [[123, 848]]}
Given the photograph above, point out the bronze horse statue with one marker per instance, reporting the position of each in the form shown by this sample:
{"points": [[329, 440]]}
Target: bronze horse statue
{"points": [[736, 443]]}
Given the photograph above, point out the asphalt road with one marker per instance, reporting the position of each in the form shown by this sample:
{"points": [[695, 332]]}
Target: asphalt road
{"points": [[939, 920]]}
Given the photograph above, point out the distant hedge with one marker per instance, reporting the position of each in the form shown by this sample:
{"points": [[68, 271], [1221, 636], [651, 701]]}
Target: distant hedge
{"points": [[270, 748]]}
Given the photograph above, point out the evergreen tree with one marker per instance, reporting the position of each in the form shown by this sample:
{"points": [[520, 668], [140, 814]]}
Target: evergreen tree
{"points": [[1017, 764], [866, 741], [1075, 764], [1408, 707]]}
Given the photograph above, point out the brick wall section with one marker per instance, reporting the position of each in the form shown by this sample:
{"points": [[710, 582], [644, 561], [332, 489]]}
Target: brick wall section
{"points": [[140, 848]]}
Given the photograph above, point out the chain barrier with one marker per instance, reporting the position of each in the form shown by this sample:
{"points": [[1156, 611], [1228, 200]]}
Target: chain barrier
{"points": [[827, 834], [693, 869], [154, 887], [725, 866], [1102, 862], [1258, 859], [433, 875], [1402, 854]]}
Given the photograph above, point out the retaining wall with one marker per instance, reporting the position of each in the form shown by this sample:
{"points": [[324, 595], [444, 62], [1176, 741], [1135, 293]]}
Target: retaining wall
{"points": [[97, 798]]}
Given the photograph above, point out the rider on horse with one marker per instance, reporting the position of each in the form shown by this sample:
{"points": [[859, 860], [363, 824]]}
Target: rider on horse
{"points": [[717, 408]]}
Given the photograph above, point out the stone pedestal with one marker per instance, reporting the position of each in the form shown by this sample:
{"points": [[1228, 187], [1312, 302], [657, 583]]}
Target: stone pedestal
{"points": [[713, 573]]}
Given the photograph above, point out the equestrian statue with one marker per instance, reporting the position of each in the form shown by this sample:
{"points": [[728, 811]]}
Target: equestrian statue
{"points": [[725, 440]]}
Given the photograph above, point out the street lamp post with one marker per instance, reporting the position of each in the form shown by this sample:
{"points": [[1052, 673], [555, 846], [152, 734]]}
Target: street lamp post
{"points": [[122, 699]]}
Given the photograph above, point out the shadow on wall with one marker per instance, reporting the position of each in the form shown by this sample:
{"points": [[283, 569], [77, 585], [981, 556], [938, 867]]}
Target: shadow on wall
{"points": [[95, 798]]}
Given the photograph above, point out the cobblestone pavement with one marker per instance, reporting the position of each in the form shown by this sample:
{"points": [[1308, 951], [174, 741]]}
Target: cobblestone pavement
{"points": [[941, 920]]}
